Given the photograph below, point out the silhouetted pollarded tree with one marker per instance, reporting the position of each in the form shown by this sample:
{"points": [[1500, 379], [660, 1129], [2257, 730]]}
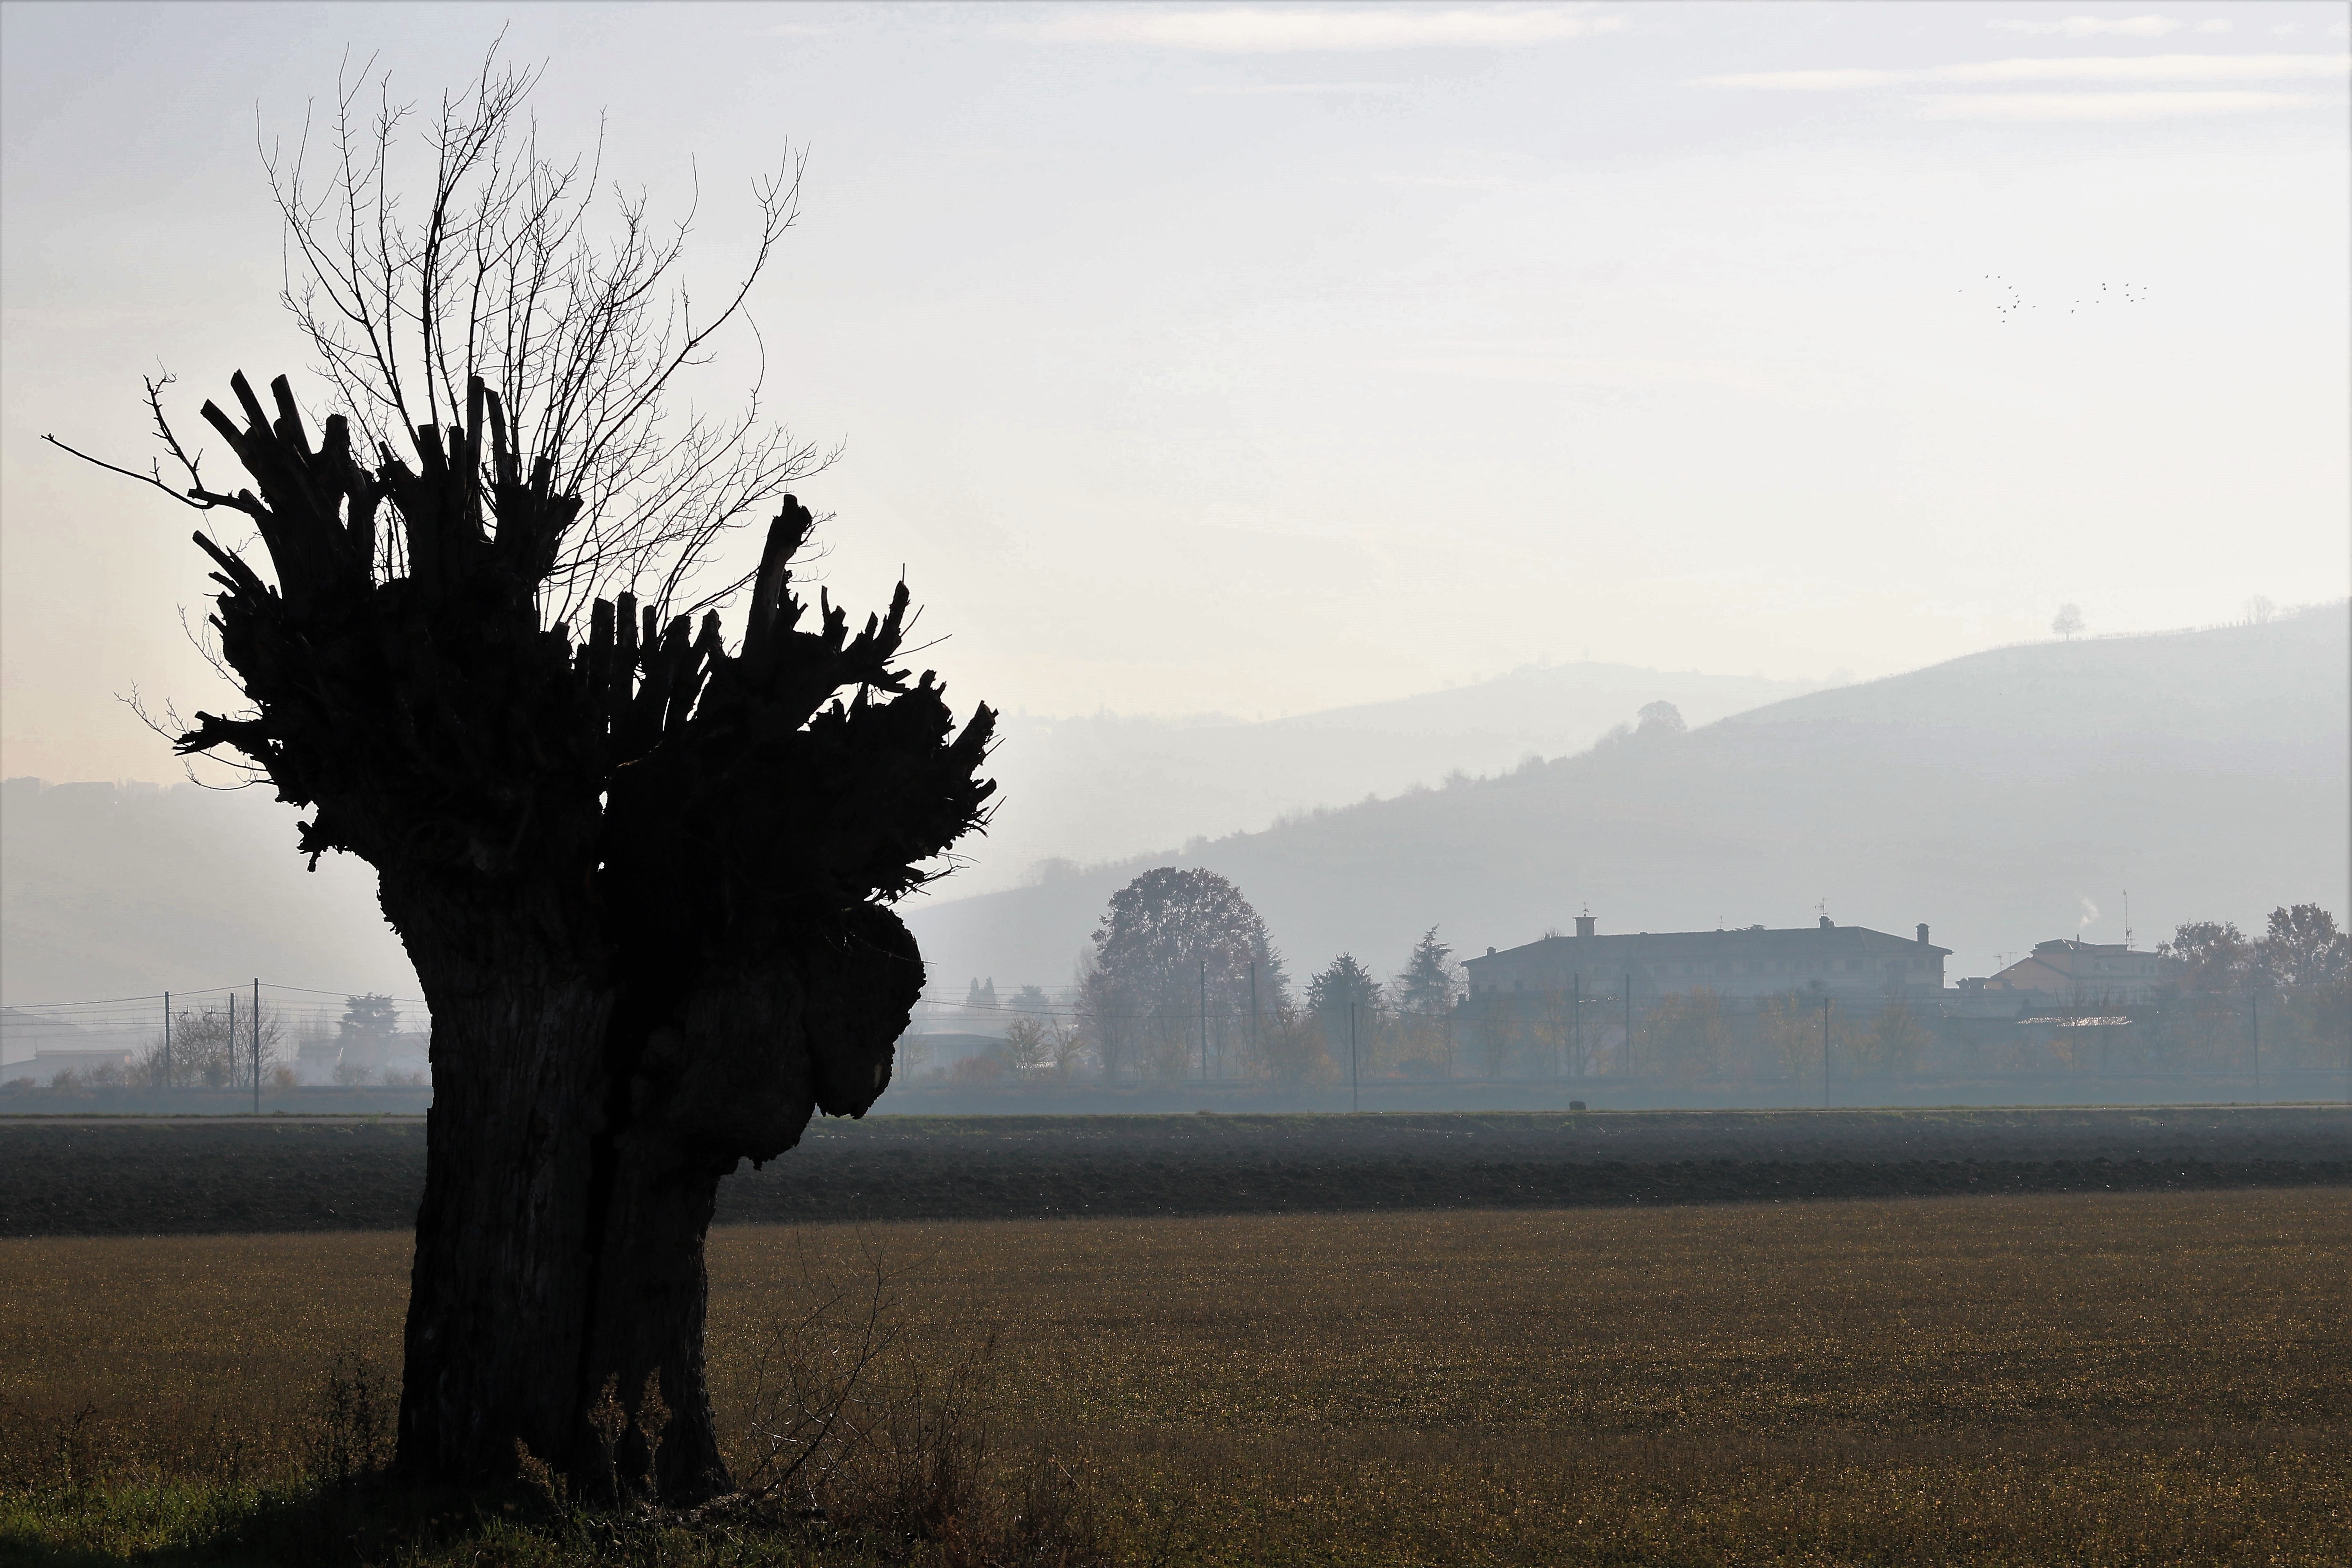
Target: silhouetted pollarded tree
{"points": [[642, 868]]}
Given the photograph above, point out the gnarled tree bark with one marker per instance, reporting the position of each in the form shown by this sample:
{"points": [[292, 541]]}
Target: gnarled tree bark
{"points": [[644, 882]]}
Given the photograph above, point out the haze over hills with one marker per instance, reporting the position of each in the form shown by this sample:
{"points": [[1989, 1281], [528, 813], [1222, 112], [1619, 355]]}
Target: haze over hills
{"points": [[2002, 798], [1102, 786], [109, 890]]}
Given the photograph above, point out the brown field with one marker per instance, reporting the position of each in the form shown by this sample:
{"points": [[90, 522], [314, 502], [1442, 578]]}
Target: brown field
{"points": [[2111, 1379]]}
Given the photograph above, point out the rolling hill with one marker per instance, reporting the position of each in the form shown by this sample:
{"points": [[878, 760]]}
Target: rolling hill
{"points": [[2002, 798]]}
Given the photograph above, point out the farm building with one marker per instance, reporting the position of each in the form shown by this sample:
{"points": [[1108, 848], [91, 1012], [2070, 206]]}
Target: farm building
{"points": [[1845, 962]]}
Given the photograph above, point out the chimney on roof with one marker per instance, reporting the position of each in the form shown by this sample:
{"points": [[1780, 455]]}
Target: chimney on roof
{"points": [[1584, 925], [1827, 924], [1923, 935]]}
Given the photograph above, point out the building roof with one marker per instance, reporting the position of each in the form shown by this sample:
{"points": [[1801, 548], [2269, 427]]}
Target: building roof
{"points": [[1747, 942]]}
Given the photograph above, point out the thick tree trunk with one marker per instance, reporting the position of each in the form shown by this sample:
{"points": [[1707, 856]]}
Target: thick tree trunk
{"points": [[575, 1155], [650, 1296], [497, 1293]]}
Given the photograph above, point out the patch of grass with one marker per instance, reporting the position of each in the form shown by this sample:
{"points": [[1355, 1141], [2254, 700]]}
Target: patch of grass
{"points": [[2083, 1380]]}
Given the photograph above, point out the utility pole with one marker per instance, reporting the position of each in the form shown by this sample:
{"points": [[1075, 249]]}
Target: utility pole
{"points": [[1355, 1098], [2254, 1016], [232, 1037], [1204, 1020], [167, 1039], [1825, 1053], [256, 1045]]}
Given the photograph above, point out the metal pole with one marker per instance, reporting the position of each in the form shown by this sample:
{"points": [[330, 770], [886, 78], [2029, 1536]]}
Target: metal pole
{"points": [[167, 1039], [1626, 1056], [256, 1045], [232, 1037], [1355, 1100], [1204, 1020], [2255, 1015], [1253, 1018], [1576, 1022], [1825, 1053]]}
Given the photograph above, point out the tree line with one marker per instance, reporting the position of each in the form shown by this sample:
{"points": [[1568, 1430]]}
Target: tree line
{"points": [[1181, 979]]}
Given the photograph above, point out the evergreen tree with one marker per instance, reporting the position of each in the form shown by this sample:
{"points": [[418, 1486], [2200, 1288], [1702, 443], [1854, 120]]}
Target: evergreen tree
{"points": [[1428, 982]]}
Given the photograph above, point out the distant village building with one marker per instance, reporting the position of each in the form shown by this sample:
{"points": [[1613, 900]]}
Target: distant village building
{"points": [[2069, 970], [46, 1065], [1849, 961]]}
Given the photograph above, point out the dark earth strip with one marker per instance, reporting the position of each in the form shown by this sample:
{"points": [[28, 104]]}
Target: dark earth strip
{"points": [[206, 1177]]}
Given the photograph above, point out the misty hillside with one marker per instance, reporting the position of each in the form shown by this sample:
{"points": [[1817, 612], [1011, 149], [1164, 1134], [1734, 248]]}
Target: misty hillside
{"points": [[1104, 787], [108, 891], [2002, 798]]}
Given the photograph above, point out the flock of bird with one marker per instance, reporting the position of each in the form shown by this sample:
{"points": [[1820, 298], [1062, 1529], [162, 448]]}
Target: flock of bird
{"points": [[2008, 302]]}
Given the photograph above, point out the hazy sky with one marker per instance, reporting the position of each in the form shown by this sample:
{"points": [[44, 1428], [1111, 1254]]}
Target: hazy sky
{"points": [[1261, 359]]}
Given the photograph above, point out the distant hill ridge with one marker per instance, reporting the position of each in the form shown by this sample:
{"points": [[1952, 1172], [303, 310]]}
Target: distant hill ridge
{"points": [[1103, 787], [2002, 797], [1997, 797]]}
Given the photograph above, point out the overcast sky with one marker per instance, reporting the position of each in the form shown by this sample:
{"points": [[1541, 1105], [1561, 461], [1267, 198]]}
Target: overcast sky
{"points": [[1262, 359]]}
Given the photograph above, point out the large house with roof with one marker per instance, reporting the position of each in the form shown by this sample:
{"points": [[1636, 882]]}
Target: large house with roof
{"points": [[1849, 963], [2081, 971]]}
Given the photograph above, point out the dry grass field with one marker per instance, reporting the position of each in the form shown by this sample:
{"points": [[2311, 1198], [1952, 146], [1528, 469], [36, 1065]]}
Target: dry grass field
{"points": [[2084, 1380]]}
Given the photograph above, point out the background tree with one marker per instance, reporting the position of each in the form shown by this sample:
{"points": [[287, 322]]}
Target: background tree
{"points": [[1293, 1051], [1663, 718], [2303, 947], [2068, 621], [1342, 985], [1682, 1036], [1430, 978], [212, 1048], [1149, 953], [364, 1036], [2206, 955], [1894, 1041], [642, 870], [1423, 993]]}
